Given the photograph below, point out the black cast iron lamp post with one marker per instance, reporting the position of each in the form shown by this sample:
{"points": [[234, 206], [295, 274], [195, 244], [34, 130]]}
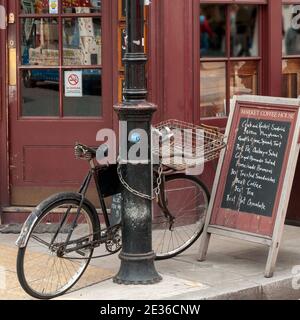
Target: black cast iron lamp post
{"points": [[137, 256]]}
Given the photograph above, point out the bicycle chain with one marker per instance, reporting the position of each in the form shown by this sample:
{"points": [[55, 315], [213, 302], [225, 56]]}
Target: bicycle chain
{"points": [[94, 243], [137, 193]]}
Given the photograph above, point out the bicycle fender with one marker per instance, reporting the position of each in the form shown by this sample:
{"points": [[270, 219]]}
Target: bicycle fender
{"points": [[27, 227], [38, 211]]}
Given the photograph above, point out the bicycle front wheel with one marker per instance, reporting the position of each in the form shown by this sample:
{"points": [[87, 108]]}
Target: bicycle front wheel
{"points": [[48, 266], [178, 220]]}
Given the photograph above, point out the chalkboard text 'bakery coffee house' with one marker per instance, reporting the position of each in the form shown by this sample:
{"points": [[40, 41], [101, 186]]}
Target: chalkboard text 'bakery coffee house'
{"points": [[201, 53]]}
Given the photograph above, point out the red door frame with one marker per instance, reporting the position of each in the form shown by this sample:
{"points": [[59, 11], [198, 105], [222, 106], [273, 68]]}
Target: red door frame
{"points": [[82, 127], [4, 176]]}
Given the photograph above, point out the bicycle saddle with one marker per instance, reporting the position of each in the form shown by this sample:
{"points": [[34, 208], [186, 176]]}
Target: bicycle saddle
{"points": [[88, 153], [84, 152]]}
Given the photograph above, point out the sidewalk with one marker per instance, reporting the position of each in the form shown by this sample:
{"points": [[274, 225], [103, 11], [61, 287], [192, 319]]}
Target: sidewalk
{"points": [[233, 270]]}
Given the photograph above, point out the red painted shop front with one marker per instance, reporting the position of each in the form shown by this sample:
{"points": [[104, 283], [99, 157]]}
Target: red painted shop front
{"points": [[200, 53]]}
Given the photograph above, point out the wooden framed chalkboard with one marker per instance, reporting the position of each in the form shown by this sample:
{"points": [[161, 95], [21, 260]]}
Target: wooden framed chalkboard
{"points": [[255, 173]]}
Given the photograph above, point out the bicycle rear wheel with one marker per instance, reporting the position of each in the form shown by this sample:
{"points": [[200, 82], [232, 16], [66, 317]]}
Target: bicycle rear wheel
{"points": [[45, 270], [186, 199]]}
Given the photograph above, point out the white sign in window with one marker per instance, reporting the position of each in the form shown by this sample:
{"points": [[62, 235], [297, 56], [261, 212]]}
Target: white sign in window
{"points": [[73, 83], [53, 6]]}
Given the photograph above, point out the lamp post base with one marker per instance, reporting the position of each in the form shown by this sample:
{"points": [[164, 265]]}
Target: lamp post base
{"points": [[137, 269]]}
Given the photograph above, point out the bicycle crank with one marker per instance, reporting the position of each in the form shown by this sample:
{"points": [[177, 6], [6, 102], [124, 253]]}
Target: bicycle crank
{"points": [[114, 243]]}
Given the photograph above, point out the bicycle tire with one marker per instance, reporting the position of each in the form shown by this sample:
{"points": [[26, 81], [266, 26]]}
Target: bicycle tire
{"points": [[179, 225], [48, 207]]}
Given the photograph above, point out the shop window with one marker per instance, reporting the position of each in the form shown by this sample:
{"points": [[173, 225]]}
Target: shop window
{"points": [[243, 77], [60, 58], [40, 97], [212, 88], [229, 55], [78, 33], [87, 104], [39, 45], [291, 51]]}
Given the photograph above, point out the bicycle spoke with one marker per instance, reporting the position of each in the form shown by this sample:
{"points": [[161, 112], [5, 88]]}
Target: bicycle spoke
{"points": [[40, 240], [47, 271], [187, 203]]}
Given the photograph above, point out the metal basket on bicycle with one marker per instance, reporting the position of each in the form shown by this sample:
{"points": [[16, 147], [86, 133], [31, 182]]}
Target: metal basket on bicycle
{"points": [[180, 145]]}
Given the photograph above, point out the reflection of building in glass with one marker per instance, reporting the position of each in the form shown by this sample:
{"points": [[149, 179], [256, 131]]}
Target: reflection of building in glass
{"points": [[291, 34], [230, 35], [290, 51], [81, 41]]}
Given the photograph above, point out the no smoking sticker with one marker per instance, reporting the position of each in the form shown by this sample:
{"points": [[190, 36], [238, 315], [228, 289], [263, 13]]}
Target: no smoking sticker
{"points": [[73, 83]]}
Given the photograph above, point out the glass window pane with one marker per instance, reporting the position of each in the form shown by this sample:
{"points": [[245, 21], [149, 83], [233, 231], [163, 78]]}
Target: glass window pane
{"points": [[291, 78], [213, 30], [243, 78], [213, 89], [40, 92], [82, 41], [244, 30], [39, 42], [86, 99], [291, 30], [81, 6], [35, 6]]}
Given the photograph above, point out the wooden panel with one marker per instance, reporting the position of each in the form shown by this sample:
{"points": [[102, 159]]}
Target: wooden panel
{"points": [[176, 68], [30, 196], [57, 161]]}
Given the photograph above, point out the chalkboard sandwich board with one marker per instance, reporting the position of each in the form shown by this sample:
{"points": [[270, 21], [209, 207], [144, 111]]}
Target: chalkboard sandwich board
{"points": [[255, 173]]}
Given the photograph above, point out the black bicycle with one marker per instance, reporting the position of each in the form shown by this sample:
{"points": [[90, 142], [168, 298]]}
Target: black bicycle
{"points": [[58, 239]]}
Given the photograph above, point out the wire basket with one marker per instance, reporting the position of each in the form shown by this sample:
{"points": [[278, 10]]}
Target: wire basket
{"points": [[186, 145]]}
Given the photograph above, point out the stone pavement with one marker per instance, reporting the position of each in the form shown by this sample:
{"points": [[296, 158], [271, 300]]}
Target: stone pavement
{"points": [[10, 288], [234, 270]]}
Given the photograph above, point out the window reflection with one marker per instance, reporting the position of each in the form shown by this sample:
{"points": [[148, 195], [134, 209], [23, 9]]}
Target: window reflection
{"points": [[243, 78], [40, 92], [291, 78], [212, 89], [81, 6], [88, 103], [213, 30], [244, 30], [34, 6], [39, 42], [82, 41], [291, 30], [69, 6]]}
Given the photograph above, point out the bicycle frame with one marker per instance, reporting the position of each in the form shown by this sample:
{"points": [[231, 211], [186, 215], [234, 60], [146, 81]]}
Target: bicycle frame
{"points": [[102, 237], [162, 201], [82, 191]]}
